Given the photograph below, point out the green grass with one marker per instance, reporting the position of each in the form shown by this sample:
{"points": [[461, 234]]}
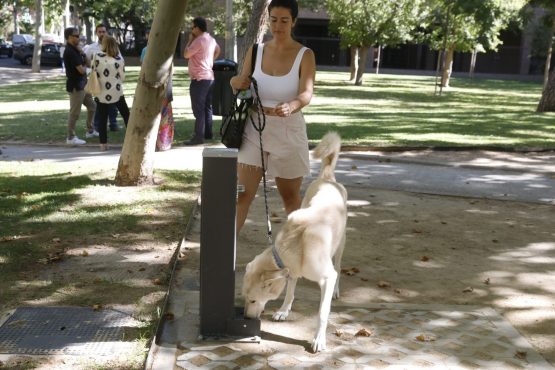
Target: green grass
{"points": [[51, 208], [388, 110]]}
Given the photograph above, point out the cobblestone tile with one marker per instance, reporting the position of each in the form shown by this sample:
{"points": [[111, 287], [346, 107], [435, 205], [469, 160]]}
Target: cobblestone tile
{"points": [[402, 337]]}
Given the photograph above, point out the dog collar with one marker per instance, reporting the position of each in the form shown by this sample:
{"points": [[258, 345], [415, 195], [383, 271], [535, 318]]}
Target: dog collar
{"points": [[278, 260]]}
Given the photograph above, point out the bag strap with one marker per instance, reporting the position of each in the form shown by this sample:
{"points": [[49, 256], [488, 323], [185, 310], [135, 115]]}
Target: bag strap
{"points": [[253, 58], [93, 67], [260, 127]]}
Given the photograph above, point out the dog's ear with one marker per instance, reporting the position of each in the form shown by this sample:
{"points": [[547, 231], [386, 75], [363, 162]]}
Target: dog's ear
{"points": [[270, 276]]}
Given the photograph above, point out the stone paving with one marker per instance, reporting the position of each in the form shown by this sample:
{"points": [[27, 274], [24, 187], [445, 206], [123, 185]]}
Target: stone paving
{"points": [[402, 336]]}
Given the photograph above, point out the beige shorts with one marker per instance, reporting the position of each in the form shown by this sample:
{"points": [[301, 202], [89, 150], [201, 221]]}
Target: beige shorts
{"points": [[285, 146]]}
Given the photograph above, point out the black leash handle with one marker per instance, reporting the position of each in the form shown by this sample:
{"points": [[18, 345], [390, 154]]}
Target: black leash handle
{"points": [[260, 127], [257, 104]]}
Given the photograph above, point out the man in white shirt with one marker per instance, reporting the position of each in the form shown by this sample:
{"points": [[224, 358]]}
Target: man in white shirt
{"points": [[90, 50]]}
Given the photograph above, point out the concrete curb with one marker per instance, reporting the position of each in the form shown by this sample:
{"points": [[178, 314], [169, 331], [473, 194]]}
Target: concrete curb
{"points": [[162, 354]]}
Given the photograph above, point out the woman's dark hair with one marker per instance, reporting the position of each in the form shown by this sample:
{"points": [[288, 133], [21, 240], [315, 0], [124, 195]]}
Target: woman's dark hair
{"points": [[292, 5], [200, 23]]}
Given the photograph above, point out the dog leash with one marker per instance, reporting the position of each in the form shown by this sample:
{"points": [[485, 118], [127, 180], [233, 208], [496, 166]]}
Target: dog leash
{"points": [[261, 125]]}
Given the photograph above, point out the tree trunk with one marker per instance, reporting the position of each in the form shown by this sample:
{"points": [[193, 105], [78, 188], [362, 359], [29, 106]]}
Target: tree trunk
{"points": [[547, 101], [447, 67], [255, 29], [67, 14], [38, 36], [136, 161], [548, 58], [362, 65], [378, 59], [15, 18], [89, 29], [354, 62], [473, 63]]}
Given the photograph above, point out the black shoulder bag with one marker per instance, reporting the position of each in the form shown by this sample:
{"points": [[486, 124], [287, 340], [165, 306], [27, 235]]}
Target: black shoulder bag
{"points": [[234, 122]]}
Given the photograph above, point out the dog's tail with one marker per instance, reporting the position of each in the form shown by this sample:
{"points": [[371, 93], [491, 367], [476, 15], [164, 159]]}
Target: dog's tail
{"points": [[328, 152]]}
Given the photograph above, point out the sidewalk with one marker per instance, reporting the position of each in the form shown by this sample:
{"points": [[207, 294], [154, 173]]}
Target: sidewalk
{"points": [[190, 157]]}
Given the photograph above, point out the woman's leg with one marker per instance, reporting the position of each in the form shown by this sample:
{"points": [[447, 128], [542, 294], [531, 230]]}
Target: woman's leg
{"points": [[102, 112], [290, 191], [123, 109], [249, 177]]}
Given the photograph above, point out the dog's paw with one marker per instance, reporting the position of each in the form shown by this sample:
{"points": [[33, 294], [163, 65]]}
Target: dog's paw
{"points": [[319, 343], [280, 315]]}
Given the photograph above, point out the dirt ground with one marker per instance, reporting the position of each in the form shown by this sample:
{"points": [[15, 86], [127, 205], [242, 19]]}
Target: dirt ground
{"points": [[412, 248]]}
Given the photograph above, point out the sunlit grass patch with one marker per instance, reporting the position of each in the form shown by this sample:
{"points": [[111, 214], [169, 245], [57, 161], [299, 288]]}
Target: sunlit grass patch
{"points": [[387, 110]]}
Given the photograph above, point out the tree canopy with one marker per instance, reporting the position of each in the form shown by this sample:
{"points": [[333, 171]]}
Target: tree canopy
{"points": [[363, 23]]}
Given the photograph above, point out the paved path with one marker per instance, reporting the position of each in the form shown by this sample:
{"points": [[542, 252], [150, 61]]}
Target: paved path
{"points": [[526, 177], [12, 72]]}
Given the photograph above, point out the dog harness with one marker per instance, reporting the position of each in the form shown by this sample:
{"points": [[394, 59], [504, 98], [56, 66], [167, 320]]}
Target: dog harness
{"points": [[278, 260]]}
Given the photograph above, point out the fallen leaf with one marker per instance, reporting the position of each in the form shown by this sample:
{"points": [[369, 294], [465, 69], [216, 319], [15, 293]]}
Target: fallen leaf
{"points": [[363, 333], [468, 289], [157, 281], [97, 307], [274, 214], [338, 333], [17, 323], [424, 258], [169, 316], [398, 291], [9, 238], [56, 240], [486, 281], [355, 270], [142, 269], [85, 253], [354, 167], [425, 338], [364, 279], [521, 355], [383, 284], [51, 258], [495, 241]]}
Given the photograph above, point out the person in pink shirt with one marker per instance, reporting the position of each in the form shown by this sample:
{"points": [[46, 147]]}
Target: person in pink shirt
{"points": [[201, 51]]}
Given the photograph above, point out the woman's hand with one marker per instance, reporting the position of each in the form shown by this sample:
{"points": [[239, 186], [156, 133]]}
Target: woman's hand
{"points": [[240, 82], [283, 109]]}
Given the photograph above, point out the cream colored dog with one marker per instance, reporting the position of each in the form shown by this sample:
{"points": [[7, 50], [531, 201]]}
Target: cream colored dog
{"points": [[304, 247]]}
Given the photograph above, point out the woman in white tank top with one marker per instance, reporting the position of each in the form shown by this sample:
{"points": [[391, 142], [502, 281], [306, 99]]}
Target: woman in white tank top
{"points": [[285, 72]]}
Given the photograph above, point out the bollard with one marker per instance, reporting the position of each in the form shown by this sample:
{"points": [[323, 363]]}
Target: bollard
{"points": [[218, 314]]}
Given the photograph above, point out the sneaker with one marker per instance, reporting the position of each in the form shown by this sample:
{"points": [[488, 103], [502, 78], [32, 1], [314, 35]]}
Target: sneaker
{"points": [[92, 133], [75, 141]]}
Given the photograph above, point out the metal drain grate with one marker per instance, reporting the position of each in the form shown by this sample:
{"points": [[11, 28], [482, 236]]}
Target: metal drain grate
{"points": [[64, 331]]}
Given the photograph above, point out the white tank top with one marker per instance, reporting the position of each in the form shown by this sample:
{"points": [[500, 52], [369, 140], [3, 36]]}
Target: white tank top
{"points": [[277, 89]]}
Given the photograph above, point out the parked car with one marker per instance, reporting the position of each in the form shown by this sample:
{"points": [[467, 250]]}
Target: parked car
{"points": [[50, 54], [5, 48], [22, 39]]}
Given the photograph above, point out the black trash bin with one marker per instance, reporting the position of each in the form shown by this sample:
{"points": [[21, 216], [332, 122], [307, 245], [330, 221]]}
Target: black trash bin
{"points": [[222, 96]]}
